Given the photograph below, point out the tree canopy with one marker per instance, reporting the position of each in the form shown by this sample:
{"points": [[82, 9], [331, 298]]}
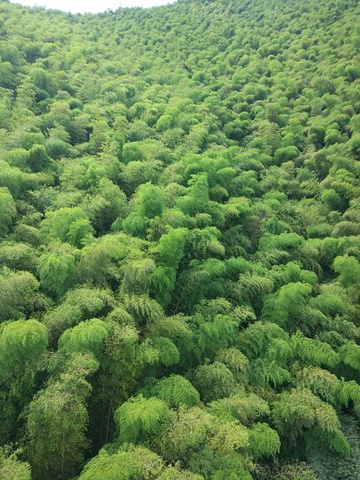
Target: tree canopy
{"points": [[180, 242]]}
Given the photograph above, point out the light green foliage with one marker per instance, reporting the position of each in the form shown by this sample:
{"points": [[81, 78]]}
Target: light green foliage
{"points": [[122, 362], [128, 463], [286, 153], [287, 305], [187, 433], [17, 256], [349, 270], [162, 284], [172, 473], [236, 361], [66, 224], [180, 241], [255, 339], [170, 249], [216, 333], [22, 342], [79, 231], [265, 372], [143, 308], [350, 392], [350, 355], [11, 468], [279, 351], [87, 336], [176, 390], [284, 241], [168, 352], [140, 418], [39, 159], [205, 243], [229, 438], [322, 383], [313, 352], [332, 199], [241, 406], [105, 207], [251, 288], [78, 305], [57, 270], [137, 276], [197, 195], [100, 259], [149, 203], [13, 179], [291, 272], [17, 294], [264, 441], [332, 300]]}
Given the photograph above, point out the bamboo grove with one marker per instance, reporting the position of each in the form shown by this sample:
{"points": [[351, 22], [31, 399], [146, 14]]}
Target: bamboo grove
{"points": [[180, 242]]}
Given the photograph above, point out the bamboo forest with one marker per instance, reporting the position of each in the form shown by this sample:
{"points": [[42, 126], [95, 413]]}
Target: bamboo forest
{"points": [[180, 242]]}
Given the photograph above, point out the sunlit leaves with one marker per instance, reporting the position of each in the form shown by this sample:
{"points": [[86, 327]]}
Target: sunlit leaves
{"points": [[87, 336], [349, 270], [12, 468], [144, 309], [78, 305], [139, 418], [245, 407], [264, 441], [176, 390], [194, 168], [187, 433], [57, 270], [17, 294], [131, 462], [229, 438], [286, 307], [66, 224]]}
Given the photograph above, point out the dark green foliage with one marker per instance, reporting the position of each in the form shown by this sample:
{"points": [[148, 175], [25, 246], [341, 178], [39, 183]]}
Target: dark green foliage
{"points": [[214, 381], [335, 467], [7, 211], [299, 413], [22, 350], [57, 420]]}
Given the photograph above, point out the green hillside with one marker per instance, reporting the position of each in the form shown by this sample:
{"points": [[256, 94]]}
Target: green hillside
{"points": [[180, 242]]}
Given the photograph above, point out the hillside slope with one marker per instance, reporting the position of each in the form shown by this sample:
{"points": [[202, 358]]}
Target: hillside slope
{"points": [[180, 242]]}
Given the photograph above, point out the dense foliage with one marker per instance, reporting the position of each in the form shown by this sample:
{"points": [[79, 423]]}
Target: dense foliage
{"points": [[180, 242]]}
